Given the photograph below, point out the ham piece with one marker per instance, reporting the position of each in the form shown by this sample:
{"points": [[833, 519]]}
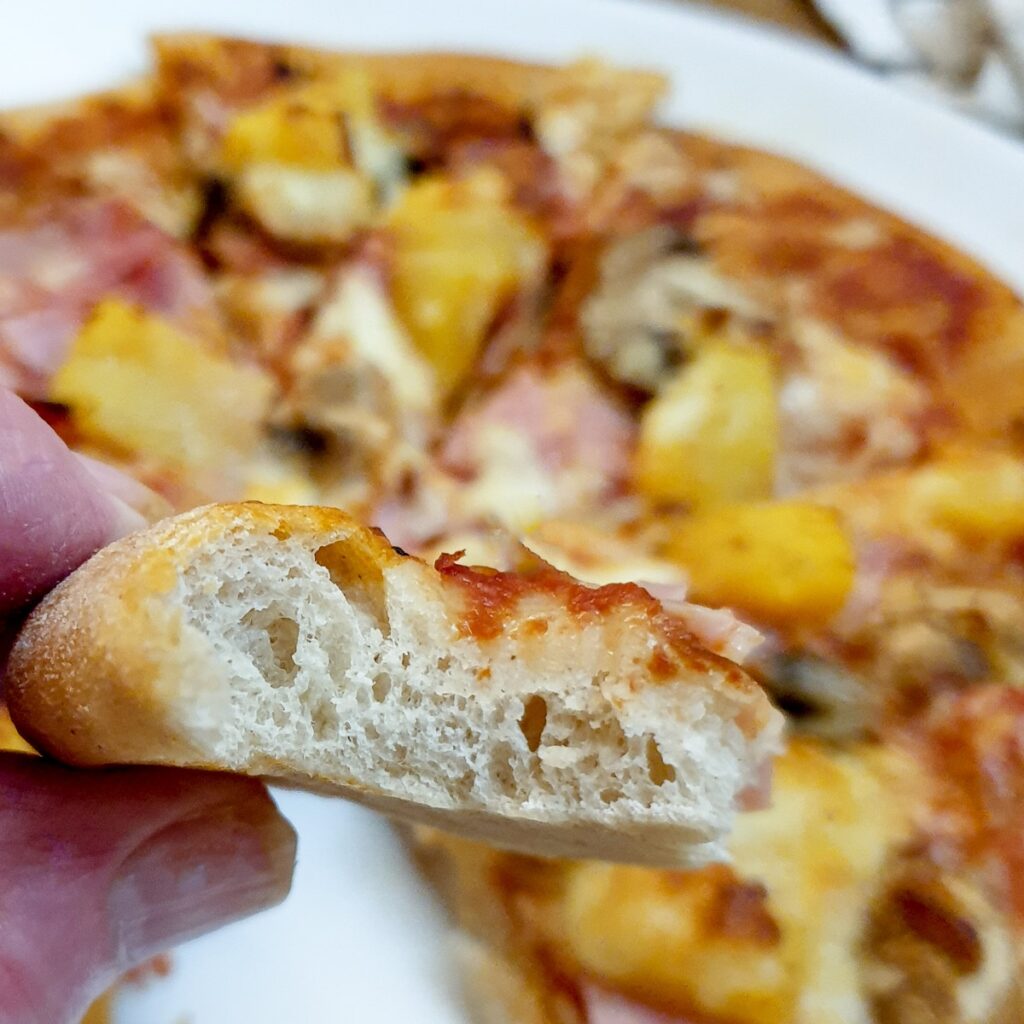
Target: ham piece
{"points": [[54, 271]]}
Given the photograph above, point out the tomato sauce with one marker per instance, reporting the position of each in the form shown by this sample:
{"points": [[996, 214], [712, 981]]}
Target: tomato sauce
{"points": [[492, 595]]}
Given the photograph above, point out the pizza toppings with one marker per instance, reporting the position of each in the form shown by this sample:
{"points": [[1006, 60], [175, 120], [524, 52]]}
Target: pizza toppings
{"points": [[299, 126], [711, 435], [460, 253], [845, 411], [629, 928], [116, 146], [819, 697], [358, 394], [782, 562], [934, 948], [305, 206], [655, 298], [493, 595], [543, 443], [60, 263], [977, 496], [173, 203], [307, 163], [494, 599], [135, 382], [436, 128], [586, 110], [975, 744]]}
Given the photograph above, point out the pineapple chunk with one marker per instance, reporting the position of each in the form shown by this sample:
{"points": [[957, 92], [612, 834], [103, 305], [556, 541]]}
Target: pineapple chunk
{"points": [[711, 435], [654, 932], [137, 382], [305, 127], [310, 163], [973, 494], [780, 561], [460, 252]]}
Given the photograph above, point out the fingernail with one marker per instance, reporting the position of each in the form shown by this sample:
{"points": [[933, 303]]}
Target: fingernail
{"points": [[224, 863]]}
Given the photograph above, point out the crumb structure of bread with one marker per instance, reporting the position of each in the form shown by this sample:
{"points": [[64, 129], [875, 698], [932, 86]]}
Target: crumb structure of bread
{"points": [[530, 711]]}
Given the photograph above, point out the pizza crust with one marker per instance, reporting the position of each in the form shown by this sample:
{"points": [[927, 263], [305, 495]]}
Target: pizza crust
{"points": [[294, 644]]}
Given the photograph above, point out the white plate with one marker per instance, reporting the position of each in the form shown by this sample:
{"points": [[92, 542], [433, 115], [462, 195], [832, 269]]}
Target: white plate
{"points": [[359, 941]]}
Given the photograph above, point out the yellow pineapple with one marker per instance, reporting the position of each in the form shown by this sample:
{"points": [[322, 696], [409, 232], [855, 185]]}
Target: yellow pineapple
{"points": [[780, 561], [711, 435], [461, 250], [137, 382]]}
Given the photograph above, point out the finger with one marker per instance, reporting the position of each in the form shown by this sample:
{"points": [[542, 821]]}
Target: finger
{"points": [[53, 511], [102, 870], [121, 487]]}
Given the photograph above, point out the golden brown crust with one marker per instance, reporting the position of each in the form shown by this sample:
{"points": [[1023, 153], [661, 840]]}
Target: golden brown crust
{"points": [[81, 669], [81, 672], [242, 68]]}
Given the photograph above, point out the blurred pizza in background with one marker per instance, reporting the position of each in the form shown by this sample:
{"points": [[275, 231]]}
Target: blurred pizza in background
{"points": [[475, 301]]}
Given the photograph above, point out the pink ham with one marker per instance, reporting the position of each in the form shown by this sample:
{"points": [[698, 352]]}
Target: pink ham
{"points": [[568, 420], [52, 273], [717, 629]]}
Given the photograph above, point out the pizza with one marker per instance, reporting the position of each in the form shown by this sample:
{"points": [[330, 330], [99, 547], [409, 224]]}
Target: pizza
{"points": [[469, 300], [523, 708]]}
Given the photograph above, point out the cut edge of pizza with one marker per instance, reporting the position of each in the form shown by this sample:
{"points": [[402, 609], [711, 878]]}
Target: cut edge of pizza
{"points": [[526, 709]]}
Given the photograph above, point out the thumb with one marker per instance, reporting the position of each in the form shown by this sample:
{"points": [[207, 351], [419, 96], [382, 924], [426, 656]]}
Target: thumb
{"points": [[101, 870], [56, 508]]}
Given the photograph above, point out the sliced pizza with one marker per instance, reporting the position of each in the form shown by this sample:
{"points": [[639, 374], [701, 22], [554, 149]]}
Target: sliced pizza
{"points": [[526, 709]]}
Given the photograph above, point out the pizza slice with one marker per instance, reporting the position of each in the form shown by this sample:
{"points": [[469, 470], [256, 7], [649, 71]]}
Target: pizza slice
{"points": [[526, 709]]}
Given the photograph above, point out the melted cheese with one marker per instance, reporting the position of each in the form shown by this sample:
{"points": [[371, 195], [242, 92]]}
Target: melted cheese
{"points": [[838, 391], [359, 311], [513, 485], [313, 161], [818, 851], [122, 173], [306, 205]]}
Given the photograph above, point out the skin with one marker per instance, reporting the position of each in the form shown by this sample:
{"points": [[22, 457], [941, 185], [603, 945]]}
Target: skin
{"points": [[101, 870]]}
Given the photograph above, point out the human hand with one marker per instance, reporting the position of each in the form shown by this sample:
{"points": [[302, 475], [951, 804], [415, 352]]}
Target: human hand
{"points": [[101, 870]]}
